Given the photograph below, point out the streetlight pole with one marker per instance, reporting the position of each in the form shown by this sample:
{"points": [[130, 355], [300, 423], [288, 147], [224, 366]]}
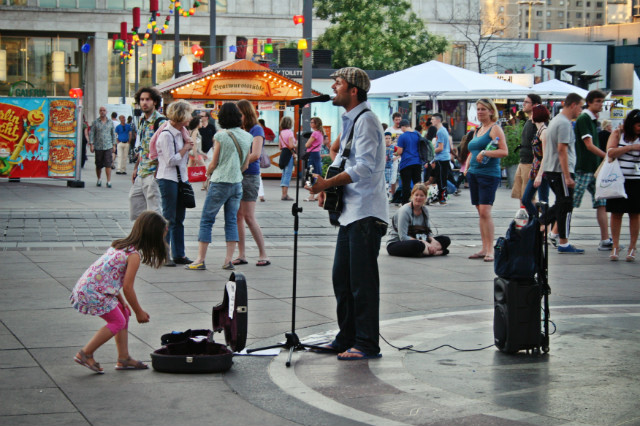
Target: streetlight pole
{"points": [[153, 5], [212, 32], [136, 26], [530, 3]]}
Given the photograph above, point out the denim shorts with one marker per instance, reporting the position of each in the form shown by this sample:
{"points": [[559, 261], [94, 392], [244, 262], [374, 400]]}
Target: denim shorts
{"points": [[250, 187], [482, 188]]}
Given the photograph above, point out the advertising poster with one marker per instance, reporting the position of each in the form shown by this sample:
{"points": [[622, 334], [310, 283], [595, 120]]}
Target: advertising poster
{"points": [[26, 128]]}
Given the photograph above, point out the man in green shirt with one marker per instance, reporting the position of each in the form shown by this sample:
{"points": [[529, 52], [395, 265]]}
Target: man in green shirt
{"points": [[588, 157], [145, 193]]}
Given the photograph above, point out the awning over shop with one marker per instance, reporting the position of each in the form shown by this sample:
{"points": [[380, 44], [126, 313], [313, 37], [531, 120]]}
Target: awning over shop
{"points": [[232, 80]]}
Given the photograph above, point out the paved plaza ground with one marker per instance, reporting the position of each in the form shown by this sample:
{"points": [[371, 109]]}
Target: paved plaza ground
{"points": [[51, 233]]}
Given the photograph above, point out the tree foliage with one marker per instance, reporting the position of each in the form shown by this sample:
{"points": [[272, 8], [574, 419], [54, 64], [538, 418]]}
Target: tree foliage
{"points": [[376, 34]]}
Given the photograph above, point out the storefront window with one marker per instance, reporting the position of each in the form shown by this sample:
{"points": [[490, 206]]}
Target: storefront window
{"points": [[48, 3], [67, 4], [29, 60], [86, 4], [115, 4]]}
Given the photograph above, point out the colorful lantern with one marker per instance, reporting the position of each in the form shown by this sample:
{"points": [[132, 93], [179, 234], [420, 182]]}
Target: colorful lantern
{"points": [[118, 45], [58, 73], [298, 19], [302, 44], [157, 49], [232, 49], [86, 48], [268, 48], [197, 51], [75, 92]]}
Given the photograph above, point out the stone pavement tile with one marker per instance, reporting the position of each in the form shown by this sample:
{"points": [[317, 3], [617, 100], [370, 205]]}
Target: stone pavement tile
{"points": [[50, 419], [15, 358], [33, 401], [24, 378], [34, 297], [8, 341]]}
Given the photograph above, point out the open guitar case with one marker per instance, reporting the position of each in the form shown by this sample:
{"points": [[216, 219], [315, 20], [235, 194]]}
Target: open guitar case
{"points": [[195, 351]]}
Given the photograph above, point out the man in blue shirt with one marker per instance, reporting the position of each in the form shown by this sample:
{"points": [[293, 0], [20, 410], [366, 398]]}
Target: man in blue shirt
{"points": [[363, 220], [123, 132], [443, 157], [410, 165]]}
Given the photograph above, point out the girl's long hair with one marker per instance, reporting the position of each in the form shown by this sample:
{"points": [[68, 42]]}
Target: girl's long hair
{"points": [[250, 117], [319, 127], [627, 128], [147, 237]]}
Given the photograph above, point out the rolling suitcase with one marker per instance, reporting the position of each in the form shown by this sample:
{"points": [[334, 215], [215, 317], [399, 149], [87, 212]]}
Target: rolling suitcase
{"points": [[521, 290]]}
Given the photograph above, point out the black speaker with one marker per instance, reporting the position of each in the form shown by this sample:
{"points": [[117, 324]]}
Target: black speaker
{"points": [[517, 314]]}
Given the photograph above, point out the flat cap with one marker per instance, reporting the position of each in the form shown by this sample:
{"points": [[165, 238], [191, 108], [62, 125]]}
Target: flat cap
{"points": [[354, 76]]}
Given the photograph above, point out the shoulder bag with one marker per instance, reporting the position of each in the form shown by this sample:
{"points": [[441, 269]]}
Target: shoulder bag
{"points": [[185, 190], [610, 180], [285, 157]]}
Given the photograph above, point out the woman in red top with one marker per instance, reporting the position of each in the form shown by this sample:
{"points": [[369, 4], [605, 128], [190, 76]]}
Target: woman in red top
{"points": [[313, 146]]}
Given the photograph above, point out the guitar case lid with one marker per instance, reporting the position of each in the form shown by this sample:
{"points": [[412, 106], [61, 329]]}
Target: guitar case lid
{"points": [[181, 353]]}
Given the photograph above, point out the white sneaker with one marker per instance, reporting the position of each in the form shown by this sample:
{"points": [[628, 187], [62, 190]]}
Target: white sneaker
{"points": [[605, 245]]}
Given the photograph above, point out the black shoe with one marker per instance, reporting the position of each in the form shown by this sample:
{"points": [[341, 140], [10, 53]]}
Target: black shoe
{"points": [[182, 260], [170, 263]]}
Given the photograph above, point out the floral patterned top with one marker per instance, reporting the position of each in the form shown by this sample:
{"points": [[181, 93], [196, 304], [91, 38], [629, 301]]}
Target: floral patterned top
{"points": [[96, 291], [536, 146]]}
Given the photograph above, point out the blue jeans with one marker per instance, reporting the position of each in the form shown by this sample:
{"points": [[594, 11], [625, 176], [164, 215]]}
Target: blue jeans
{"points": [[221, 194], [316, 162], [530, 192], [173, 211], [356, 284], [286, 173]]}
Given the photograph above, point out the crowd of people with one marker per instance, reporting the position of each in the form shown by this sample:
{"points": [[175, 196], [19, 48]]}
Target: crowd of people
{"points": [[552, 155]]}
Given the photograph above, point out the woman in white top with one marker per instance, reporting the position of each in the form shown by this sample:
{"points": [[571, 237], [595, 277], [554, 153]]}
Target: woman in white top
{"points": [[627, 150], [173, 154]]}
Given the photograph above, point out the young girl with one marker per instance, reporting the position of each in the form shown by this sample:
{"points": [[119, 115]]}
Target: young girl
{"points": [[98, 290]]}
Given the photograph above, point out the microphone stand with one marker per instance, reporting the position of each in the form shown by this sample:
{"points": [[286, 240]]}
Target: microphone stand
{"points": [[292, 342]]}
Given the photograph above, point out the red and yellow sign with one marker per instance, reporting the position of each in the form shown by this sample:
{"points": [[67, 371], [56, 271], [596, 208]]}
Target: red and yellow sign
{"points": [[26, 124], [62, 158]]}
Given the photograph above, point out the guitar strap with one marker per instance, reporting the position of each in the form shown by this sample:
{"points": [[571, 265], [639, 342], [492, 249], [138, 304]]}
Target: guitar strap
{"points": [[347, 148]]}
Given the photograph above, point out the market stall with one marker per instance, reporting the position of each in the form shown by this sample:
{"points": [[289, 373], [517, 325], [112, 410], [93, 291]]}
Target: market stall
{"points": [[234, 80]]}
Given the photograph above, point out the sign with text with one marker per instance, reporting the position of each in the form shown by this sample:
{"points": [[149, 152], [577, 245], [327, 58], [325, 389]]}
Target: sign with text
{"points": [[30, 131]]}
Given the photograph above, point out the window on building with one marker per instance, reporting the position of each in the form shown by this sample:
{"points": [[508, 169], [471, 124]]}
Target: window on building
{"points": [[14, 2], [579, 15], [588, 15], [48, 3], [568, 15], [538, 13], [588, 4], [598, 15], [549, 3], [579, 3], [501, 21], [539, 25], [548, 13], [561, 3], [501, 9], [86, 4], [599, 4], [115, 4], [624, 41], [560, 14]]}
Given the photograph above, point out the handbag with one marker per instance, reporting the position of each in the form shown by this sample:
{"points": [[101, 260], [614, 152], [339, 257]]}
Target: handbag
{"points": [[515, 254], [185, 190], [197, 173], [610, 180], [265, 161]]}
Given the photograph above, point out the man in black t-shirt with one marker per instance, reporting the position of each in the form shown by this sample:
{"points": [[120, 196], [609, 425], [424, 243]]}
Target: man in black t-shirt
{"points": [[206, 132]]}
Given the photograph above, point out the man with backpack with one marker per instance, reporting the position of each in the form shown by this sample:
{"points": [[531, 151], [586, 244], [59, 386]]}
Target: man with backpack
{"points": [[145, 193]]}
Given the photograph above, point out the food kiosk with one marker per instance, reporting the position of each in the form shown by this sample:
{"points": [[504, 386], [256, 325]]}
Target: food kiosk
{"points": [[234, 80]]}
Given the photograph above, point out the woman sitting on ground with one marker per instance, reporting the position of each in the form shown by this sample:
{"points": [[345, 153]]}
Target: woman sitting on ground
{"points": [[410, 235]]}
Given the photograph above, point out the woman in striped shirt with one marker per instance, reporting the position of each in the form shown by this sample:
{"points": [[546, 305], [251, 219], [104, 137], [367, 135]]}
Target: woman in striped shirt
{"points": [[627, 150]]}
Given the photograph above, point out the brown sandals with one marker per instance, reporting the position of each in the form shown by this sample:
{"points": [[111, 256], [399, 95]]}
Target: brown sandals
{"points": [[82, 359], [130, 364]]}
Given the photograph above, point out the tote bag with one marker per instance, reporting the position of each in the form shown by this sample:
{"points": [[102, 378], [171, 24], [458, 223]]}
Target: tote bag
{"points": [[610, 180]]}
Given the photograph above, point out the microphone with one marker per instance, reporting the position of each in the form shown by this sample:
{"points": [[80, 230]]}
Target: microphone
{"points": [[304, 101]]}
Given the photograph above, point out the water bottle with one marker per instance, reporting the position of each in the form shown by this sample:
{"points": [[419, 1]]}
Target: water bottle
{"points": [[490, 147], [521, 218]]}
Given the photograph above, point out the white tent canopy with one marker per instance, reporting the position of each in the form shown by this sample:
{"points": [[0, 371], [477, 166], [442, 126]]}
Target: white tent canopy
{"points": [[557, 88], [433, 79]]}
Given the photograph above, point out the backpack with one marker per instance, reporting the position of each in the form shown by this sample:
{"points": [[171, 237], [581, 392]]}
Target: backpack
{"points": [[515, 253], [153, 152], [425, 150]]}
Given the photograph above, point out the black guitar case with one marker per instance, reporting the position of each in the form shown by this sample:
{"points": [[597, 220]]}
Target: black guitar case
{"points": [[195, 351]]}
